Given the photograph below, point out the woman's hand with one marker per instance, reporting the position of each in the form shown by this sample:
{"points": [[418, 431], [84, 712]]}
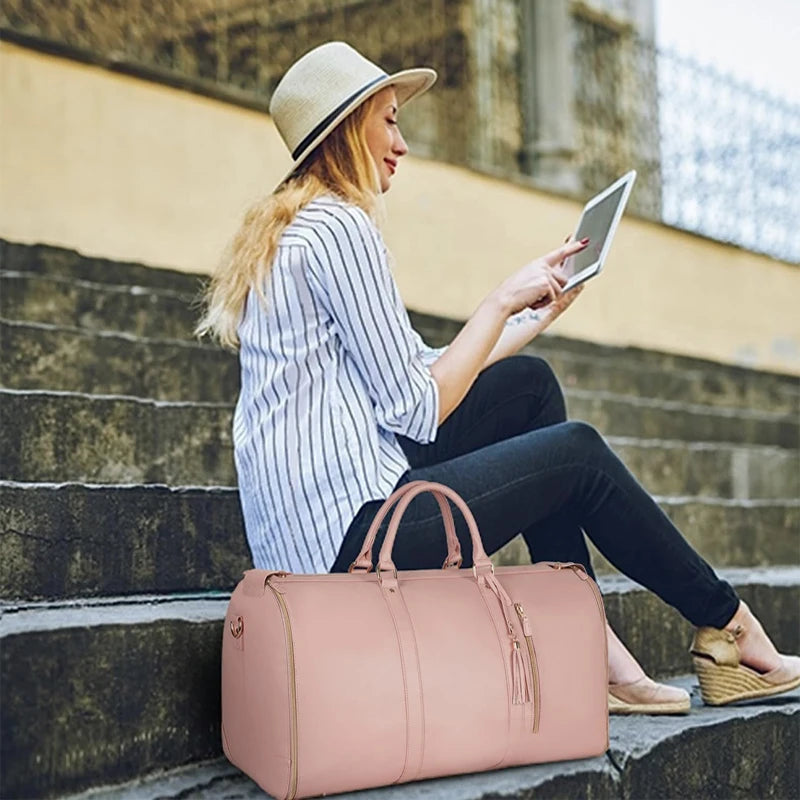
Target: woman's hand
{"points": [[565, 299], [539, 283]]}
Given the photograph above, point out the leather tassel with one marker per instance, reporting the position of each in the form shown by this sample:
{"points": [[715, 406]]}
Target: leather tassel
{"points": [[520, 691], [519, 678]]}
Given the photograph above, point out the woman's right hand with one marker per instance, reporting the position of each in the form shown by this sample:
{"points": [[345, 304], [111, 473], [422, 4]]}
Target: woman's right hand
{"points": [[538, 283]]}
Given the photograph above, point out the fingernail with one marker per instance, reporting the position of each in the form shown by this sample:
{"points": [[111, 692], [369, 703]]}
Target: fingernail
{"points": [[584, 241]]}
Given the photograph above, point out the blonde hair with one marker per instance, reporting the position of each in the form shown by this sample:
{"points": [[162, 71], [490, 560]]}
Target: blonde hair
{"points": [[340, 164]]}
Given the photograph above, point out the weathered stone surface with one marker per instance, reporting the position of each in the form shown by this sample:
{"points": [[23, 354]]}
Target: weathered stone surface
{"points": [[93, 693], [585, 779], [67, 540], [61, 348], [45, 259], [67, 288], [740, 752], [576, 359], [72, 303], [43, 357], [46, 436], [54, 436], [701, 382], [711, 469], [645, 418], [72, 540]]}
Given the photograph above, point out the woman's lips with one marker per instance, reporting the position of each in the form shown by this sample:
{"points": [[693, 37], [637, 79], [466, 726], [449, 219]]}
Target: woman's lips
{"points": [[392, 166]]}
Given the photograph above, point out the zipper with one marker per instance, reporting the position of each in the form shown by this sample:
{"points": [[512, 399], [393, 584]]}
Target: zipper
{"points": [[582, 574], [520, 692], [526, 628], [580, 571], [293, 692]]}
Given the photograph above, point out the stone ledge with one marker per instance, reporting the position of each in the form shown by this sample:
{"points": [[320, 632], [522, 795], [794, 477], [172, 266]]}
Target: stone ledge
{"points": [[54, 538], [106, 322], [710, 752], [52, 260], [56, 436]]}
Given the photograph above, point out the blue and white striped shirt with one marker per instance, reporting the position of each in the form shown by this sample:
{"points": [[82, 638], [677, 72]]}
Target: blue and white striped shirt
{"points": [[330, 372]]}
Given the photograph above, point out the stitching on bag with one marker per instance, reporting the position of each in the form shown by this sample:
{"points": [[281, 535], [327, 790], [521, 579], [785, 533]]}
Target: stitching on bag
{"points": [[505, 675], [419, 675], [405, 683]]}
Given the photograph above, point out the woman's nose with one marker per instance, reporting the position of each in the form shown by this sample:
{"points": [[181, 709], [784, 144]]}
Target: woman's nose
{"points": [[399, 147]]}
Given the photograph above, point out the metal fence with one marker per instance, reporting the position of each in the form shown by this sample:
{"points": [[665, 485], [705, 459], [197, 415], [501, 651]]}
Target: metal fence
{"points": [[714, 156]]}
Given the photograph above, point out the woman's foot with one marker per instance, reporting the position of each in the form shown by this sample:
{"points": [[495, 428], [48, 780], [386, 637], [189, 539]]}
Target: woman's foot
{"points": [[755, 647], [740, 662], [630, 691]]}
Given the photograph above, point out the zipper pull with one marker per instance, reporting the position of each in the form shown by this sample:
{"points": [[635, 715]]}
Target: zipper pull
{"points": [[526, 624], [519, 677]]}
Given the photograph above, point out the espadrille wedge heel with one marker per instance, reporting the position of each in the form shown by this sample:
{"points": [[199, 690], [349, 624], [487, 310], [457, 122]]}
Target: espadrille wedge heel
{"points": [[724, 679]]}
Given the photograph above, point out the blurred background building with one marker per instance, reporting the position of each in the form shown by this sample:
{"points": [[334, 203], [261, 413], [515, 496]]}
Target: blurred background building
{"points": [[570, 94]]}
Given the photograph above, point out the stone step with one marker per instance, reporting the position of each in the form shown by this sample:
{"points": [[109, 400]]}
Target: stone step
{"points": [[49, 260], [74, 303], [36, 356], [58, 436], [711, 469], [54, 538], [53, 436], [667, 374], [648, 757], [63, 354], [705, 383], [62, 287], [644, 418], [92, 654]]}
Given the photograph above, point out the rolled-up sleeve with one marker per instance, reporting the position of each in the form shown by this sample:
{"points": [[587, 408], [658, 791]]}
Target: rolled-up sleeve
{"points": [[429, 354], [351, 275]]}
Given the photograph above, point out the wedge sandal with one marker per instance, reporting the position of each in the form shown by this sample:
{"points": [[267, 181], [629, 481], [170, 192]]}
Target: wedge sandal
{"points": [[724, 679]]}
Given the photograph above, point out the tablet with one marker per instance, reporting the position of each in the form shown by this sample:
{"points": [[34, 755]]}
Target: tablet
{"points": [[599, 221]]}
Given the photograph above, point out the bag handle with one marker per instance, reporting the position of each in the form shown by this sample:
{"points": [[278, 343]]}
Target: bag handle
{"points": [[453, 559]]}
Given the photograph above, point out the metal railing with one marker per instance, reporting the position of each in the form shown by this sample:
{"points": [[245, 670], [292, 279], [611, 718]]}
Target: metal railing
{"points": [[714, 156]]}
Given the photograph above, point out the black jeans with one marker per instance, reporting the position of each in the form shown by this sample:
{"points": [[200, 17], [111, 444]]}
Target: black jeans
{"points": [[509, 452]]}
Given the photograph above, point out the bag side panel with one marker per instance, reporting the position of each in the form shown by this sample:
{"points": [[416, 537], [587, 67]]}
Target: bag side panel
{"points": [[255, 692]]}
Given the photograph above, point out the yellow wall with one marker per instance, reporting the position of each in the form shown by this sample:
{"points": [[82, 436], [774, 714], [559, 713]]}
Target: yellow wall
{"points": [[116, 166]]}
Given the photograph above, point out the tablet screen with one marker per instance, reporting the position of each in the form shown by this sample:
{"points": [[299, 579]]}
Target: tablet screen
{"points": [[595, 224]]}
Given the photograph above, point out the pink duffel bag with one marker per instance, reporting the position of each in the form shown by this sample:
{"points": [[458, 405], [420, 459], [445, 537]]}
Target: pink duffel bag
{"points": [[344, 681]]}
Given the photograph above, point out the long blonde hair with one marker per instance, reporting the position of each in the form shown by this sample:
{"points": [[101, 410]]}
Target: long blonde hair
{"points": [[341, 164]]}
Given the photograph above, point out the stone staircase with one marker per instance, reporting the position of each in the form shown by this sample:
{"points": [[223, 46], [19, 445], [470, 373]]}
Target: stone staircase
{"points": [[121, 539]]}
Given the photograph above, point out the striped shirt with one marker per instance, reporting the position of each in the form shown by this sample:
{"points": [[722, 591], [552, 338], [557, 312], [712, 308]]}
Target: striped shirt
{"points": [[330, 372]]}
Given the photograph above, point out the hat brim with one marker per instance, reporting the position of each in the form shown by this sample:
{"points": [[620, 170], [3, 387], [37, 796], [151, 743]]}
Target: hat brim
{"points": [[409, 83]]}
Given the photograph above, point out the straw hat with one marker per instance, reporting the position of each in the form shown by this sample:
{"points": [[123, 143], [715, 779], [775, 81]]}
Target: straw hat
{"points": [[320, 89]]}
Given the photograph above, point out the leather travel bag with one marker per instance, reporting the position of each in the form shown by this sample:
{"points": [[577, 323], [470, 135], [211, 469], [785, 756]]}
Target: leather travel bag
{"points": [[344, 681]]}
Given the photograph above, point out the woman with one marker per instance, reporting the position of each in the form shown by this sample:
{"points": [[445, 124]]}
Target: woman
{"points": [[342, 402]]}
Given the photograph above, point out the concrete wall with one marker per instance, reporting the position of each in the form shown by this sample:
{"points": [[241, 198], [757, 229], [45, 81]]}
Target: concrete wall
{"points": [[120, 167]]}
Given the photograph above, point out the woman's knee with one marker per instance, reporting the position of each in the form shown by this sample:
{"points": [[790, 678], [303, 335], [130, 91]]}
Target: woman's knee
{"points": [[583, 438], [539, 374]]}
